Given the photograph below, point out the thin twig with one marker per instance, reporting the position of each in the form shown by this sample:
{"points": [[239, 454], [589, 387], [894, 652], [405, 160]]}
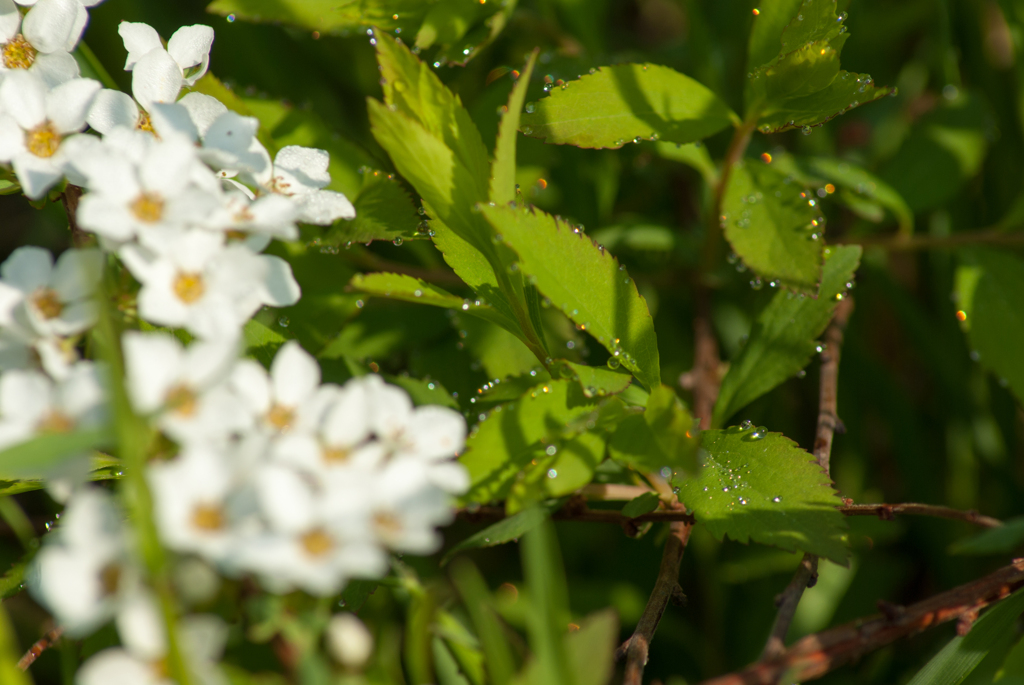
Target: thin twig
{"points": [[828, 404], [666, 588], [904, 243], [818, 654], [69, 198], [886, 512], [42, 644]]}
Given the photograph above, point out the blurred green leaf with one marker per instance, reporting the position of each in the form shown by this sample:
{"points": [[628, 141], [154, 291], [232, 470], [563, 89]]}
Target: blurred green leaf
{"points": [[499, 352], [585, 282], [627, 102], [506, 530], [325, 15], [562, 467], [663, 437], [765, 490], [1001, 540], [34, 458], [423, 392], [591, 649], [694, 155], [546, 622], [356, 593], [644, 504], [384, 211], [480, 606], [783, 338], [503, 169], [772, 18], [262, 339], [597, 381], [511, 436], [463, 645], [850, 178], [963, 654], [989, 290], [774, 226]]}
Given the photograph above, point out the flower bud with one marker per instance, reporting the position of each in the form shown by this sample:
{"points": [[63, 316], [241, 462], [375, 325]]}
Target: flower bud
{"points": [[349, 641]]}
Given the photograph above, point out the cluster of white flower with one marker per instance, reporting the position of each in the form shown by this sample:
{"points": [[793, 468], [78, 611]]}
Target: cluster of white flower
{"points": [[301, 484]]}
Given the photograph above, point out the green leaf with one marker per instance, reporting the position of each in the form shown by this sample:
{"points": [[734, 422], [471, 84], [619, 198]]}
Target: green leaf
{"points": [[644, 504], [775, 227], [500, 353], [585, 282], [802, 85], [765, 490], [962, 655], [480, 606], [782, 340], [545, 625], [424, 391], [766, 34], [628, 102], [661, 438], [384, 211], [355, 594], [850, 178], [503, 169], [989, 290], [35, 457], [512, 435], [561, 468], [591, 649], [326, 15], [1001, 540], [597, 381], [464, 646], [410, 289], [694, 155], [447, 21], [262, 340], [506, 530]]}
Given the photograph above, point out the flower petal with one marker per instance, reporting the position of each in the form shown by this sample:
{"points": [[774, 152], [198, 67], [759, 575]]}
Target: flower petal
{"points": [[138, 39], [305, 168], [23, 96], [76, 274], [294, 375], [36, 175], [190, 47], [156, 78], [55, 68], [112, 108], [68, 104], [48, 25], [171, 118], [203, 109], [10, 20], [153, 364], [12, 138], [323, 207]]}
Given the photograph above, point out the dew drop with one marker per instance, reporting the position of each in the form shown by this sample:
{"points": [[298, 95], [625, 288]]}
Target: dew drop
{"points": [[552, 473], [613, 363], [746, 425], [284, 321]]}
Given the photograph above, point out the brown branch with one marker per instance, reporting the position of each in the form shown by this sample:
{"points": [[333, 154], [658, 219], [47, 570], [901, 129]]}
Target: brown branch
{"points": [[42, 644], [69, 198], [828, 421], [904, 243], [818, 654], [887, 512], [666, 588]]}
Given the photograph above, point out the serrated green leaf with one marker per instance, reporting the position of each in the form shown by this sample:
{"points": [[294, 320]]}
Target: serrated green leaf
{"points": [[770, 225], [597, 381], [1001, 540], [506, 530], [661, 438], [384, 211], [447, 21], [962, 655], [851, 178], [424, 391], [585, 282], [644, 504], [618, 104], [499, 352], [326, 15], [989, 290], [693, 155], [765, 490], [410, 289], [782, 340], [802, 85], [512, 435], [557, 472], [772, 18], [503, 169], [35, 457]]}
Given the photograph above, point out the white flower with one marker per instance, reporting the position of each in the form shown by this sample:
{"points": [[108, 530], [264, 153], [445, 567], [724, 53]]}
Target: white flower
{"points": [[406, 508], [34, 124], [55, 300], [309, 545], [41, 42], [193, 281], [33, 404], [300, 173], [84, 570], [191, 505], [139, 184], [289, 398], [159, 74], [349, 641], [182, 388]]}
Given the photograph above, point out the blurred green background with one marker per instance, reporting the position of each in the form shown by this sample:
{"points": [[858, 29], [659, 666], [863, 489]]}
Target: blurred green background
{"points": [[923, 421]]}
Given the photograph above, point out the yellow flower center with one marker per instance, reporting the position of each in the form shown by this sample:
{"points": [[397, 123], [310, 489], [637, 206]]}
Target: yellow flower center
{"points": [[279, 186], [387, 524], [43, 140], [189, 287], [148, 207], [182, 400], [317, 543], [208, 517], [19, 53], [56, 422], [110, 578], [145, 123], [336, 455], [48, 303], [281, 417]]}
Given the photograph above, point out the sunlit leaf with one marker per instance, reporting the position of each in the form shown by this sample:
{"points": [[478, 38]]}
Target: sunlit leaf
{"points": [[765, 489], [384, 211], [506, 530], [619, 104], [644, 504], [35, 457], [784, 336], [775, 227], [1001, 540], [503, 169], [585, 282]]}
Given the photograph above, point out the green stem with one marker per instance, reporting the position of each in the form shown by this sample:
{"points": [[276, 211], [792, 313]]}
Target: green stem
{"points": [[10, 674], [905, 243], [134, 439], [14, 516]]}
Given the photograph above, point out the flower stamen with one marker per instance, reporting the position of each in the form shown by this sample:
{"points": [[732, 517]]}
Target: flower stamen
{"points": [[189, 287], [316, 542], [182, 400], [56, 422], [48, 303], [43, 140], [19, 53], [148, 207], [281, 417], [208, 517]]}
